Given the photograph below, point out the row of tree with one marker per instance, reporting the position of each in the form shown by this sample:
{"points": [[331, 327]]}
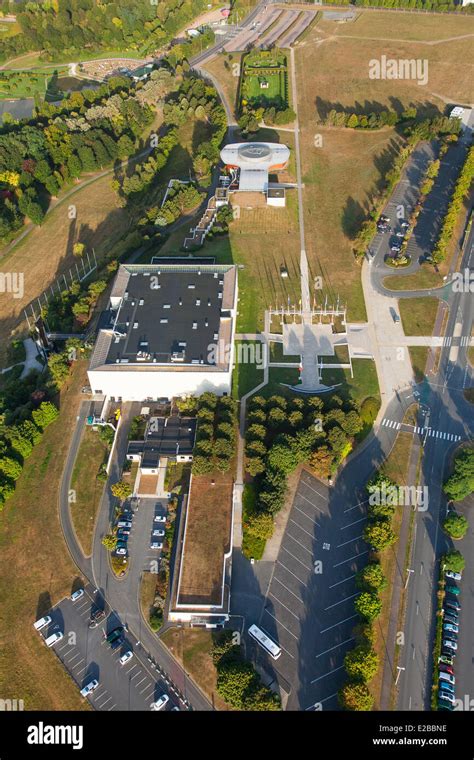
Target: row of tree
{"points": [[460, 193], [426, 5], [362, 662], [67, 26], [237, 681], [215, 434]]}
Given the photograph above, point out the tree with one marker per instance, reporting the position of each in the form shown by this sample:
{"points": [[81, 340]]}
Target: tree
{"points": [[10, 468], [455, 525], [368, 605], [255, 466], [78, 249], [361, 663], [453, 561], [461, 483], [260, 525], [59, 368], [321, 462], [379, 534], [234, 678], [256, 431], [45, 414], [356, 696], [353, 121], [371, 578], [109, 541], [121, 490], [281, 457], [201, 465]]}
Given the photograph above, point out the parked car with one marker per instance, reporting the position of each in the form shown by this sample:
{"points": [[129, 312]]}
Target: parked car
{"points": [[454, 576], [124, 524], [126, 516], [395, 248], [123, 532], [448, 677], [77, 594], [451, 627], [159, 518], [53, 639], [121, 551], [450, 636], [395, 316], [159, 533], [126, 657], [383, 218], [42, 622], [92, 686], [96, 616], [453, 590], [452, 604], [446, 687], [446, 668], [447, 696], [450, 644], [405, 225], [400, 234], [156, 545], [123, 537], [446, 659], [160, 703]]}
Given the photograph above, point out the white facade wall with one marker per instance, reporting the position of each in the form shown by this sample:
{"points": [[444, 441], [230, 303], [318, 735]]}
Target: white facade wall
{"points": [[142, 385]]}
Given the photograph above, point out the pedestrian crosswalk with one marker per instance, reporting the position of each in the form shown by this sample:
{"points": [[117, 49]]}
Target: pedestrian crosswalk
{"points": [[429, 432]]}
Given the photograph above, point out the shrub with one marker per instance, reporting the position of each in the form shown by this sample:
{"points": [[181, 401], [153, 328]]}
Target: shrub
{"points": [[455, 525]]}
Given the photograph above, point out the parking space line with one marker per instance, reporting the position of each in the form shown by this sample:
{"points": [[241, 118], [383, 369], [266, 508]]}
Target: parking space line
{"points": [[296, 558], [353, 523], [290, 571], [72, 658], [356, 556], [335, 647], [339, 623], [139, 682], [151, 692], [283, 626], [311, 535], [136, 674], [356, 538], [78, 664], [341, 602], [147, 686], [356, 505], [327, 674], [288, 589], [132, 668], [343, 581], [283, 605], [313, 489], [104, 703], [299, 543], [311, 519], [310, 502]]}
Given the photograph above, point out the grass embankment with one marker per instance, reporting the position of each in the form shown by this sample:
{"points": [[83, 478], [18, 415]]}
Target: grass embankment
{"points": [[87, 487], [418, 358], [418, 315], [193, 648], [36, 568], [247, 374]]}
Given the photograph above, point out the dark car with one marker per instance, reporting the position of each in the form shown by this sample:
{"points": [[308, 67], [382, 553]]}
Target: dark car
{"points": [[96, 616], [451, 603], [383, 219]]}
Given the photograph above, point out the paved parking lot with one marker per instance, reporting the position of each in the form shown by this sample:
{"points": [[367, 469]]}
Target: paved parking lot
{"points": [[141, 555], [86, 655], [309, 608]]}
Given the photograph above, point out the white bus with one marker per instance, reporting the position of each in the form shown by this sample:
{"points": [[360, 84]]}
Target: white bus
{"points": [[273, 649]]}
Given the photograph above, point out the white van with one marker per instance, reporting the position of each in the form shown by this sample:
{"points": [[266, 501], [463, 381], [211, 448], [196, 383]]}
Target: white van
{"points": [[53, 639], [42, 622]]}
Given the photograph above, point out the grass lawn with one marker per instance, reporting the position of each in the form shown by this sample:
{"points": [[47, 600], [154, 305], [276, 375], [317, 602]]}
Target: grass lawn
{"points": [[36, 568], [424, 278], [177, 476], [246, 375], [361, 386], [277, 355], [396, 26], [470, 354], [193, 648], [418, 315], [251, 545], [25, 84], [418, 358], [147, 593], [88, 489]]}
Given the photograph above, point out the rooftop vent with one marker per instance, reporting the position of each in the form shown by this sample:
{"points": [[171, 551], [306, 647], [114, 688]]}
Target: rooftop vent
{"points": [[182, 344], [191, 287], [195, 325], [180, 301], [198, 301], [141, 302], [215, 275], [135, 325], [208, 301], [206, 322], [219, 295], [163, 321], [216, 335], [166, 306], [146, 274]]}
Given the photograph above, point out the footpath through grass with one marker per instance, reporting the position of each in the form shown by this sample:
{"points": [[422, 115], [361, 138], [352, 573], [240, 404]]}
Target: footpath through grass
{"points": [[36, 570]]}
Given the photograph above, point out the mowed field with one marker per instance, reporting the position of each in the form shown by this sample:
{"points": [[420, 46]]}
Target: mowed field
{"points": [[345, 174], [36, 570]]}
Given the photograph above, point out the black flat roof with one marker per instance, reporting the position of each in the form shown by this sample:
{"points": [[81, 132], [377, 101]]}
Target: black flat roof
{"points": [[165, 437], [168, 317]]}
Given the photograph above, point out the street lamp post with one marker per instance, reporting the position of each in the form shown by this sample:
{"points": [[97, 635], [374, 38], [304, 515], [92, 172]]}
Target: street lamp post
{"points": [[408, 576], [399, 670]]}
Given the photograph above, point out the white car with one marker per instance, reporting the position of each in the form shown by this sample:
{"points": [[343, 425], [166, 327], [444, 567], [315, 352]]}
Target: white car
{"points": [[160, 703], [454, 576], [160, 518], [42, 622], [159, 533], [53, 639], [120, 551], [448, 644], [156, 545], [92, 686], [126, 657], [77, 594]]}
